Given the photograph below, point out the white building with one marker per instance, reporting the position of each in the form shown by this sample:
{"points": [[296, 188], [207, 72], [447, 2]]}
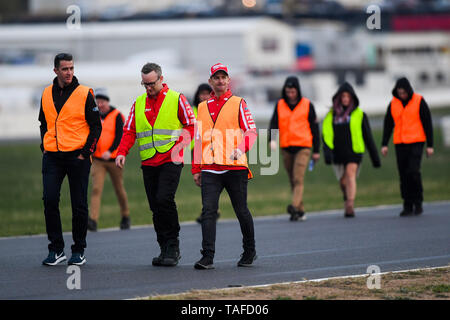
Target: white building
{"points": [[111, 55]]}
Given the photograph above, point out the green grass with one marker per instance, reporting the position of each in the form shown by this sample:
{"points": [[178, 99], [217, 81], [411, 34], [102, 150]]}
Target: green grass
{"points": [[21, 206]]}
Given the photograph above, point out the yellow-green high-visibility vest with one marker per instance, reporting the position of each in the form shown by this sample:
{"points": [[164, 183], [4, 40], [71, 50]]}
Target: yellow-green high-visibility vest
{"points": [[356, 119], [166, 129], [195, 109]]}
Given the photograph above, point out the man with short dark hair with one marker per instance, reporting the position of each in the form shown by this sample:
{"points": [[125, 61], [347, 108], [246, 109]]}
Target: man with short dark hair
{"points": [[157, 121], [70, 128]]}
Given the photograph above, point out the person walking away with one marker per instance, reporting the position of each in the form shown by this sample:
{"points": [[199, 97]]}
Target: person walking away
{"points": [[70, 128], [295, 117], [226, 131], [104, 161], [346, 135], [162, 122], [409, 117]]}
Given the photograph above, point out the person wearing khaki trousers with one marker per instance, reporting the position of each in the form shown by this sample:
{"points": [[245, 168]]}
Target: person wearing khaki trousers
{"points": [[104, 162], [295, 117]]}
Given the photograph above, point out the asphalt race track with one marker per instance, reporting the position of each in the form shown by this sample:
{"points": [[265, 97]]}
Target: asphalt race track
{"points": [[325, 245]]}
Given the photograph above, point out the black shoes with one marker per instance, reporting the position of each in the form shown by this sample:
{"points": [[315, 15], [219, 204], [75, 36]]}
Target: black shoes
{"points": [[169, 256], [92, 225], [205, 263], [407, 210], [247, 259], [349, 214], [295, 214], [418, 209], [125, 223]]}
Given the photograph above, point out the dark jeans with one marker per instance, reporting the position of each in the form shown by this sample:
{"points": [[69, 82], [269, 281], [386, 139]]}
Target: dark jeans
{"points": [[161, 184], [235, 183], [409, 157], [54, 169]]}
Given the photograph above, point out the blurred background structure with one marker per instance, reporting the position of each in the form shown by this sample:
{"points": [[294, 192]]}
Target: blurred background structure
{"points": [[262, 41]]}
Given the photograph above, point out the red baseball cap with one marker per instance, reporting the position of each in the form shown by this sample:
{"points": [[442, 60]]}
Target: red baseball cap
{"points": [[218, 67]]}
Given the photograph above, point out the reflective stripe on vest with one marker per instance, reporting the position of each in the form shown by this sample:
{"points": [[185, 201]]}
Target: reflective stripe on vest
{"points": [[356, 120], [195, 109], [68, 129], [166, 129], [294, 125], [220, 138], [108, 134], [408, 126]]}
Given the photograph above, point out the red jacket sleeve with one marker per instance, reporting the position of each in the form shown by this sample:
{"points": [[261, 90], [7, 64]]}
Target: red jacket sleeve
{"points": [[187, 118], [247, 124], [129, 134]]}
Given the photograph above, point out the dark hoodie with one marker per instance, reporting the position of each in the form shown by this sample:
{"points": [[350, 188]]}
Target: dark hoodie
{"points": [[424, 112], [343, 150], [292, 82], [92, 115]]}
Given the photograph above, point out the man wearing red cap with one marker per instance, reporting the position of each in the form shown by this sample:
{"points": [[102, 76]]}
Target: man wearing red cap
{"points": [[225, 132]]}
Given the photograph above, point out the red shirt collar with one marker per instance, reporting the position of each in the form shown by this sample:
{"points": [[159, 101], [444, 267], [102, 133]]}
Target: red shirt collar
{"points": [[161, 93], [226, 95]]}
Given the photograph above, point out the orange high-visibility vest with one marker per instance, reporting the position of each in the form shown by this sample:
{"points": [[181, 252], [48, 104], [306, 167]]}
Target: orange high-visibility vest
{"points": [[68, 130], [220, 138], [108, 134], [294, 125], [408, 126]]}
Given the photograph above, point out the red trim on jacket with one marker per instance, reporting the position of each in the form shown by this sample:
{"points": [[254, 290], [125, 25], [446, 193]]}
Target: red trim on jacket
{"points": [[152, 106], [246, 123]]}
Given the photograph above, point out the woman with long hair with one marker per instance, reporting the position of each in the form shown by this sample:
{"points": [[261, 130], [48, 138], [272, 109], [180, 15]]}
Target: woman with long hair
{"points": [[346, 134]]}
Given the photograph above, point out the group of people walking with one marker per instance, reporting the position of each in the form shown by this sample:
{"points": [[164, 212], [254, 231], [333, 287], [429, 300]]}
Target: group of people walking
{"points": [[80, 128], [346, 135]]}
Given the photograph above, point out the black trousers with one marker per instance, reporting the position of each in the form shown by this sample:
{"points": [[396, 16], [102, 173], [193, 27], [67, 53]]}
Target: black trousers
{"points": [[161, 184], [235, 183], [54, 170], [409, 158]]}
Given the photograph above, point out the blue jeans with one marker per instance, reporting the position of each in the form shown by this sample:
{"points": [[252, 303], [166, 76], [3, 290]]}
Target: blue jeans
{"points": [[54, 170], [235, 183]]}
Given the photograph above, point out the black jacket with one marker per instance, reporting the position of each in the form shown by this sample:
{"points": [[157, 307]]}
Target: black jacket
{"points": [[343, 150], [424, 112], [92, 115], [312, 118]]}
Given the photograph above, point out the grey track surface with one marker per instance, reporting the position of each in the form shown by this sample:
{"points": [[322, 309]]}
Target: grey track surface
{"points": [[326, 245]]}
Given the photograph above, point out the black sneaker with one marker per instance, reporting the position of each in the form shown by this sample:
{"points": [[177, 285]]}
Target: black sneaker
{"points": [[295, 214], [291, 210], [125, 223], [247, 259], [77, 259], [407, 210], [172, 254], [54, 258], [205, 263], [92, 225], [349, 214], [157, 261], [418, 209]]}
